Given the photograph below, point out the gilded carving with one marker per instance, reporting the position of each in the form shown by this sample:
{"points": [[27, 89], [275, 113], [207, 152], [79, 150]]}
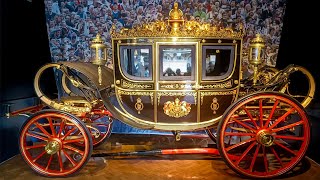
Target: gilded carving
{"points": [[135, 93], [214, 105], [177, 108], [130, 85], [176, 86], [194, 94], [227, 84], [190, 28], [210, 93], [139, 105]]}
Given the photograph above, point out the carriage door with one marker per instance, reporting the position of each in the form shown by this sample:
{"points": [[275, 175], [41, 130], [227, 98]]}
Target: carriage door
{"points": [[177, 96]]}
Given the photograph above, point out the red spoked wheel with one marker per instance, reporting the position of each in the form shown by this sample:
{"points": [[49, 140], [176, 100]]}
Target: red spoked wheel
{"points": [[47, 143], [268, 132]]}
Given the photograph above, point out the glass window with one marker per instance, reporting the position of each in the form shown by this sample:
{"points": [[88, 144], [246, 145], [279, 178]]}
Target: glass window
{"points": [[177, 62], [217, 62], [136, 62]]}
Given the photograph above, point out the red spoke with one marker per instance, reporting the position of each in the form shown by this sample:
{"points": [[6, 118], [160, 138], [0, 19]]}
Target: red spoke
{"points": [[276, 155], [251, 118], [35, 146], [39, 156], [288, 126], [271, 113], [60, 161], [238, 134], [73, 140], [287, 149], [245, 153], [51, 127], [70, 159], [229, 141], [244, 125], [261, 113], [49, 162], [69, 132], [37, 136], [240, 144], [42, 129], [254, 157], [265, 160], [289, 137], [61, 128], [283, 117], [74, 149]]}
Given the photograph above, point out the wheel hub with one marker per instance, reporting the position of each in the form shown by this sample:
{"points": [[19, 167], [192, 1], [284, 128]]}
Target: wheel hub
{"points": [[265, 138], [52, 147]]}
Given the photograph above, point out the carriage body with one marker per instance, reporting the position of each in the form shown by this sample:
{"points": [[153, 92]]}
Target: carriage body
{"points": [[170, 81]]}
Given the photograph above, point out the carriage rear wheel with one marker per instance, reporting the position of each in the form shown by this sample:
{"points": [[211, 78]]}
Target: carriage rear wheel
{"points": [[48, 143], [263, 135]]}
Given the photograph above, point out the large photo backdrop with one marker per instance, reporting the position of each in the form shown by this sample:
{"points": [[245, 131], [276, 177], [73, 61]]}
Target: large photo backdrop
{"points": [[72, 24]]}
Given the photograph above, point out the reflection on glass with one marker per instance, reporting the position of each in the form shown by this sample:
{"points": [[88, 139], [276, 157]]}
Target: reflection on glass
{"points": [[217, 61], [176, 61], [136, 62]]}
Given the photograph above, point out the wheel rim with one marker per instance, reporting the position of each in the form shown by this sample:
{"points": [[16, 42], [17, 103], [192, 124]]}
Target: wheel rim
{"points": [[268, 141], [53, 151]]}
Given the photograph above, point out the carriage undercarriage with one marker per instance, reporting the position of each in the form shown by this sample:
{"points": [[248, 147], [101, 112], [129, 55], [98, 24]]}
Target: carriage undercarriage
{"points": [[260, 128]]}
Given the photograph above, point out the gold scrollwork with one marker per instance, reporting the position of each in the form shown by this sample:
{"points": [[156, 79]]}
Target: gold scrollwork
{"points": [[214, 105], [209, 93], [135, 93], [176, 86], [227, 84], [139, 105], [177, 108], [194, 94], [130, 85]]}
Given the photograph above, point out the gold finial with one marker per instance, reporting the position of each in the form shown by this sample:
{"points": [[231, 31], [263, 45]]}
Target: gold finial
{"points": [[97, 40], [175, 13]]}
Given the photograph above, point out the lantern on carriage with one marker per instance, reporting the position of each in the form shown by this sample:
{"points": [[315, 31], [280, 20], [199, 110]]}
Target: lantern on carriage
{"points": [[98, 54], [256, 46]]}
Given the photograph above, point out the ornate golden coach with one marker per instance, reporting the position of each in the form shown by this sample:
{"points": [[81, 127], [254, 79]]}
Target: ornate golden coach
{"points": [[174, 75]]}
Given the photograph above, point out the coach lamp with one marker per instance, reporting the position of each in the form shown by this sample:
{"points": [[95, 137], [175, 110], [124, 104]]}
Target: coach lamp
{"points": [[256, 46], [98, 54]]}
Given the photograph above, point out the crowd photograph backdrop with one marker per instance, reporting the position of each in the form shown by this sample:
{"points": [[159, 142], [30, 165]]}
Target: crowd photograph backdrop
{"points": [[72, 24]]}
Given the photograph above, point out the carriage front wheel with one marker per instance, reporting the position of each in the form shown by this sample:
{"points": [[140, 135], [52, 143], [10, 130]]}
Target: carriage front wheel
{"points": [[48, 143], [263, 135]]}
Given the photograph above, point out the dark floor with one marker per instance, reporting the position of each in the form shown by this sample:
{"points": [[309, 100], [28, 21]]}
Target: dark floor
{"points": [[158, 167]]}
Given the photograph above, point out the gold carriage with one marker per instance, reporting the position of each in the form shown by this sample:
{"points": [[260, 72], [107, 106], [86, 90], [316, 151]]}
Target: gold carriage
{"points": [[173, 75]]}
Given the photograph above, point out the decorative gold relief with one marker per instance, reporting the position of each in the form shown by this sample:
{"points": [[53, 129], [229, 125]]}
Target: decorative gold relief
{"points": [[139, 105], [209, 93], [75, 106], [194, 94], [176, 86], [177, 26], [130, 85], [214, 105], [177, 108], [135, 93], [227, 84]]}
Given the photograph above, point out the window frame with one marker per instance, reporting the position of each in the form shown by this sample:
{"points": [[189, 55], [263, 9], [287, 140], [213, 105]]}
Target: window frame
{"points": [[193, 62], [204, 77], [132, 48]]}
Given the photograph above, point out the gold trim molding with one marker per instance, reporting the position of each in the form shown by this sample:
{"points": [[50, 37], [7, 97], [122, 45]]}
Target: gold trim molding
{"points": [[135, 93], [209, 93], [176, 86], [227, 84], [194, 94], [130, 85]]}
